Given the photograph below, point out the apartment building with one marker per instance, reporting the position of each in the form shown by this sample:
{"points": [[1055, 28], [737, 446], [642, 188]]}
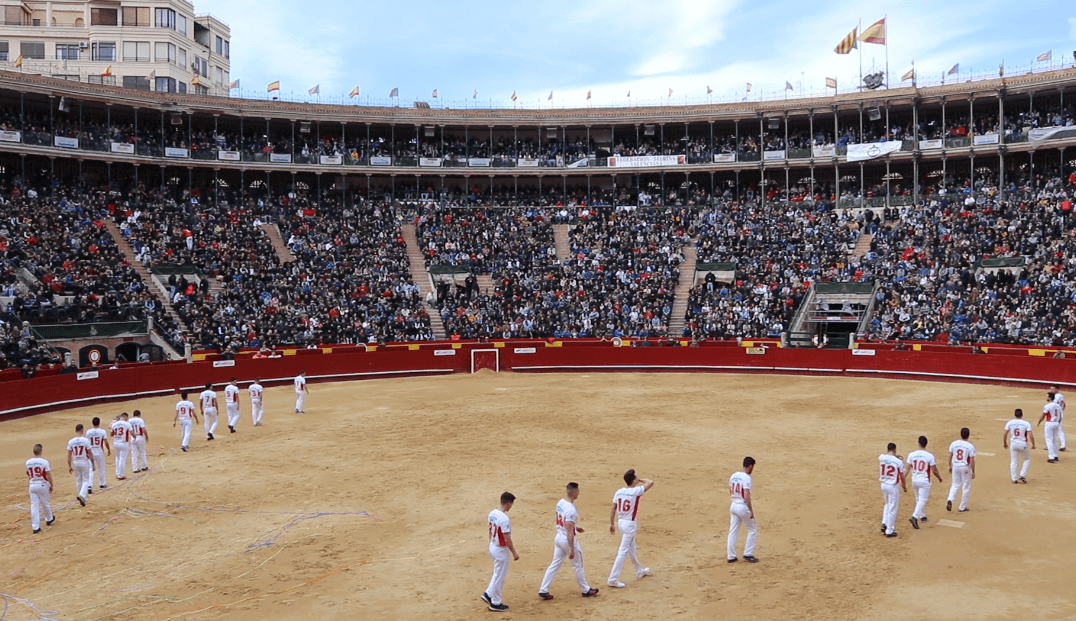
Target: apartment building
{"points": [[162, 46]]}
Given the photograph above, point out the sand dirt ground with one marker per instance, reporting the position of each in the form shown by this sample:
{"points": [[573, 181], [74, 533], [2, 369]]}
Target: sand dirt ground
{"points": [[373, 504]]}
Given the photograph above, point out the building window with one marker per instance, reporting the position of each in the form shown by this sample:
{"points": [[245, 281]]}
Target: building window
{"points": [[181, 57], [66, 51], [136, 82], [166, 85], [200, 66], [33, 50], [104, 50], [227, 50], [3, 50], [219, 49], [219, 75], [136, 16], [137, 51], [182, 87], [13, 15], [36, 22], [166, 18], [181, 24], [165, 52]]}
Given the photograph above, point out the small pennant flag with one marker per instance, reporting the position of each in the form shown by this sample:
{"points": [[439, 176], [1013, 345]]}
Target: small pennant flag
{"points": [[588, 94], [831, 83], [1001, 69], [196, 81], [788, 85], [475, 94], [847, 44], [955, 69], [708, 89], [274, 86], [395, 92], [107, 72], [316, 90], [908, 76], [435, 93], [18, 61], [1044, 57], [514, 96], [629, 94], [550, 98], [354, 92], [748, 87], [875, 33], [234, 85], [670, 92]]}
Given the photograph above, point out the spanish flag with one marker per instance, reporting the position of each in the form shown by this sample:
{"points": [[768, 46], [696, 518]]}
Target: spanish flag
{"points": [[274, 86], [18, 61], [831, 83], [234, 85], [875, 33], [908, 76], [847, 44], [107, 72], [1044, 57], [196, 81], [354, 92]]}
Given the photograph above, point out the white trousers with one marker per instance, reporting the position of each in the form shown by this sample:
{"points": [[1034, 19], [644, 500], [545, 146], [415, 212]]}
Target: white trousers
{"points": [[123, 449], [185, 427], [300, 398], [891, 494], [256, 410], [500, 556], [138, 453], [209, 420], [1052, 438], [627, 550], [83, 476], [1019, 453], [561, 552], [233, 414], [98, 467], [921, 490], [1061, 434], [740, 514], [39, 498], [962, 482]]}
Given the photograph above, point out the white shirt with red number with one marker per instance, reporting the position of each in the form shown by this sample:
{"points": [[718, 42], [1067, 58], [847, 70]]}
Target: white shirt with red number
{"points": [[138, 427], [80, 448], [1053, 412], [121, 431], [231, 395], [962, 451], [300, 383], [184, 409], [1018, 429], [255, 391], [626, 500], [565, 513], [890, 466], [738, 483], [209, 400], [97, 437], [499, 525], [36, 467], [921, 462]]}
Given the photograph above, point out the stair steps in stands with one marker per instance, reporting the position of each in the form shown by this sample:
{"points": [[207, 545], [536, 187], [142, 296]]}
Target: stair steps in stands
{"points": [[560, 237], [683, 290], [863, 245], [422, 278], [282, 251], [485, 284], [143, 273]]}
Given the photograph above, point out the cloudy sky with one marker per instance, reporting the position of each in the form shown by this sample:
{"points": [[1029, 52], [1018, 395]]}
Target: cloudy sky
{"points": [[609, 47]]}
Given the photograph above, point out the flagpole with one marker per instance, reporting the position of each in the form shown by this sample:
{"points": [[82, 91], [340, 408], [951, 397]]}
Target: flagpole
{"points": [[859, 31], [886, 20]]}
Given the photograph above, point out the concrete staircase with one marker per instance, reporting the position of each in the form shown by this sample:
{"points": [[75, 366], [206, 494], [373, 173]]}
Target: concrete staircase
{"points": [[143, 273], [863, 245], [282, 251], [485, 284], [683, 290], [560, 236], [421, 276]]}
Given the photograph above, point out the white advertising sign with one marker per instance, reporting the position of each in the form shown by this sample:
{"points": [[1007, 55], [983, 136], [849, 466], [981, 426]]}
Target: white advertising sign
{"points": [[872, 150], [176, 152], [122, 147], [65, 142], [228, 156], [641, 161], [280, 158]]}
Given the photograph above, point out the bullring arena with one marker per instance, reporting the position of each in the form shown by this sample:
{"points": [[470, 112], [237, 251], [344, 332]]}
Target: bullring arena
{"points": [[373, 503]]}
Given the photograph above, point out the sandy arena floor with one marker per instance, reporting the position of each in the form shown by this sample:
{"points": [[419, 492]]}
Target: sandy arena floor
{"points": [[373, 504]]}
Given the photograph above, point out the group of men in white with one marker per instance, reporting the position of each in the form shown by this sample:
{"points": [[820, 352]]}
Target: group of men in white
{"points": [[128, 436], [1018, 437]]}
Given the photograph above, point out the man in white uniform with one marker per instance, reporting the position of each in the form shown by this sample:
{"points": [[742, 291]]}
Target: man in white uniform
{"points": [[1052, 414], [79, 453], [566, 544], [138, 444], [962, 467], [300, 392], [892, 474], [921, 465], [1017, 434], [231, 403], [207, 402], [99, 446], [121, 439], [184, 413], [742, 511], [256, 410], [40, 474], [1060, 400], [500, 545], [624, 513]]}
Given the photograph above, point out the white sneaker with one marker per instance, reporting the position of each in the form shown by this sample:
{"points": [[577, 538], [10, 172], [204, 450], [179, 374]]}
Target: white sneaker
{"points": [[644, 572], [616, 584]]}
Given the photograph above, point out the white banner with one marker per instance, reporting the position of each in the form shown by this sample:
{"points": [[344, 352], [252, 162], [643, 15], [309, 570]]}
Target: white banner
{"points": [[434, 162], [64, 141], [380, 160], [122, 147], [773, 155], [525, 350], [444, 352], [985, 139], [527, 162], [479, 161], [824, 151], [6, 136], [640, 161], [331, 160], [223, 363], [229, 156], [869, 151], [580, 163], [175, 152], [863, 352], [930, 144], [280, 158], [724, 157], [87, 375], [1051, 133]]}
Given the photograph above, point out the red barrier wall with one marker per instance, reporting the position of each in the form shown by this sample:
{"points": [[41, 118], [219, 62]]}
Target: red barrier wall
{"points": [[22, 397]]}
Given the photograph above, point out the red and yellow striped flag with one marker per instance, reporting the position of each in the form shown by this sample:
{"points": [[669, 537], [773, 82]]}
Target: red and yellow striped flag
{"points": [[848, 43], [875, 33]]}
